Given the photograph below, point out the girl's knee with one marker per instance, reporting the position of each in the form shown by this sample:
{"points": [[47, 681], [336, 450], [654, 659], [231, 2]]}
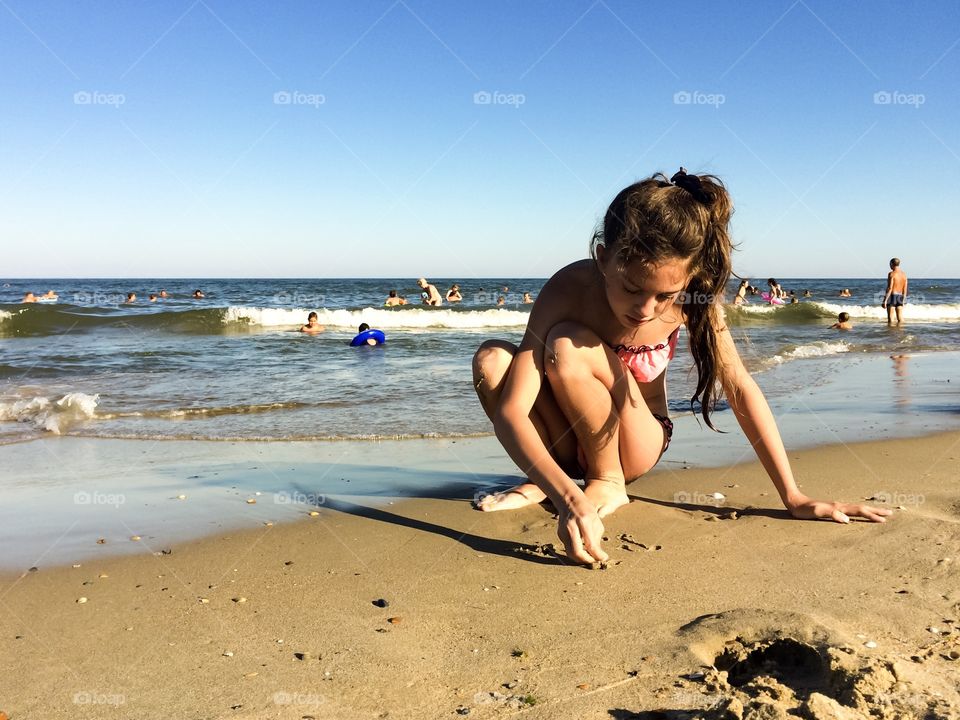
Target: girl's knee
{"points": [[492, 360], [568, 347]]}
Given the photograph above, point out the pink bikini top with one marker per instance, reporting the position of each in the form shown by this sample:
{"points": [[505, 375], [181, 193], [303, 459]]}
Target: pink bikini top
{"points": [[645, 362]]}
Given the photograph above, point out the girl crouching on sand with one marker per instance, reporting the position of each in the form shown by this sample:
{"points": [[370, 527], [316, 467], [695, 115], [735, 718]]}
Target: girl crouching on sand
{"points": [[584, 396]]}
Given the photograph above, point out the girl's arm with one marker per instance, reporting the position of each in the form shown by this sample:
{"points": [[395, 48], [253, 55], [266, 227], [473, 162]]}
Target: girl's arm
{"points": [[580, 527], [758, 424]]}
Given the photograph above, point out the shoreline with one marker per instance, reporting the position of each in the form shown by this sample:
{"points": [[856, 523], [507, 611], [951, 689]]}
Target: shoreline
{"points": [[290, 629], [70, 491]]}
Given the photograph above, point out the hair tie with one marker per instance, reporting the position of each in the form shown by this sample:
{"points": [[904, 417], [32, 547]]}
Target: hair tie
{"points": [[693, 185]]}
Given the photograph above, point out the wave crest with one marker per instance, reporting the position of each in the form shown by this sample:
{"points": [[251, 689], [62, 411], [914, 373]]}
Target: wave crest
{"points": [[54, 416], [400, 318]]}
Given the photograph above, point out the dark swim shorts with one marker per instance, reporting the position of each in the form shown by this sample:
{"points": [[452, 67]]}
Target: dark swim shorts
{"points": [[896, 300]]}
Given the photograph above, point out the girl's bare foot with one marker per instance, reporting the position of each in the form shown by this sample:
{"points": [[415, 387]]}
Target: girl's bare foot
{"points": [[516, 497], [607, 494]]}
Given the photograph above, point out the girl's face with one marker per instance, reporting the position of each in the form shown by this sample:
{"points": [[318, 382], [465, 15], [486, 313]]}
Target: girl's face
{"points": [[640, 292]]}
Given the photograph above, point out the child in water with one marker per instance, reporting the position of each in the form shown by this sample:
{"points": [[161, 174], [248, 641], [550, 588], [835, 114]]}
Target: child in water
{"points": [[313, 325], [594, 356], [843, 322]]}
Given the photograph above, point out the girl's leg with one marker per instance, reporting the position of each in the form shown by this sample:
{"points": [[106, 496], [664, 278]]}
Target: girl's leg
{"points": [[491, 364], [618, 435]]}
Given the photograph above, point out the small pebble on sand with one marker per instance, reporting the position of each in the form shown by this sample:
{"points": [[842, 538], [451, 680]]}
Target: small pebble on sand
{"points": [[227, 653], [870, 644], [251, 501], [81, 600], [314, 513]]}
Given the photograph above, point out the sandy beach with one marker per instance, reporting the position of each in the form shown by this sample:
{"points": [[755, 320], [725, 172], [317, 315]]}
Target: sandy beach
{"points": [[712, 607]]}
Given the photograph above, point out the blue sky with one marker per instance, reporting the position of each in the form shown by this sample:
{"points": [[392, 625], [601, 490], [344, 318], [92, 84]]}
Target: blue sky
{"points": [[431, 137]]}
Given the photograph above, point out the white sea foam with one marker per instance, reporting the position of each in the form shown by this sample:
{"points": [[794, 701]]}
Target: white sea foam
{"points": [[51, 415], [816, 349], [919, 311], [4, 315], [375, 317]]}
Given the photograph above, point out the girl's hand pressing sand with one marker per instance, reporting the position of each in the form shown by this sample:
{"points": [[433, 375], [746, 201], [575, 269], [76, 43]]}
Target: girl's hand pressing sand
{"points": [[806, 508], [581, 531]]}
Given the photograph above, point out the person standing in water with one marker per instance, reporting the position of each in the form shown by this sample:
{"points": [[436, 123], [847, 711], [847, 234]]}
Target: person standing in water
{"points": [[430, 294], [584, 394], [896, 293]]}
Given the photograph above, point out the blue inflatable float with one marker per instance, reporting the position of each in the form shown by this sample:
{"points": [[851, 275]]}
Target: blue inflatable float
{"points": [[366, 335]]}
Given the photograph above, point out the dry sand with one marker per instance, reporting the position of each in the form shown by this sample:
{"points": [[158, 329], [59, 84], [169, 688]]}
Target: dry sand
{"points": [[709, 608]]}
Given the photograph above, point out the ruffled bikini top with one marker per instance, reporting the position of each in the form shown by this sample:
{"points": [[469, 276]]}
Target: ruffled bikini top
{"points": [[646, 362]]}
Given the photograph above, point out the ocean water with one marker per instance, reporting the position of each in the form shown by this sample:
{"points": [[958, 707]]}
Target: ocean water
{"points": [[232, 366]]}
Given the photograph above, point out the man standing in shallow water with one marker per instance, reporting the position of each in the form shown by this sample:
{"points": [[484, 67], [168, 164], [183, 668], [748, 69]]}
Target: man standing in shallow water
{"points": [[896, 292]]}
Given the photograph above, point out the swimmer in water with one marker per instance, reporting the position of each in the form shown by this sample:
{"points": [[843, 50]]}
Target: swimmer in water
{"points": [[313, 326], [29, 297], [370, 340], [131, 297], [843, 322], [453, 294]]}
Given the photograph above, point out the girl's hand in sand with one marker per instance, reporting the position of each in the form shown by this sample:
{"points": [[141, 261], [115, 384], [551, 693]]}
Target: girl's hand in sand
{"points": [[581, 531], [806, 508]]}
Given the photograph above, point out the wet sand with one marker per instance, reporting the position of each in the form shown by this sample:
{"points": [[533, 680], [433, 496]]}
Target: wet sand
{"points": [[710, 607]]}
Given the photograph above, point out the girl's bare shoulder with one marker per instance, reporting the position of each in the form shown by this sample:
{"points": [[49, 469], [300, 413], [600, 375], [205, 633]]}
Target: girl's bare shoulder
{"points": [[578, 275]]}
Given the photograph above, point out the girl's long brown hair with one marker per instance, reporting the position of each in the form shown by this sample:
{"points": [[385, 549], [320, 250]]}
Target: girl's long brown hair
{"points": [[656, 220]]}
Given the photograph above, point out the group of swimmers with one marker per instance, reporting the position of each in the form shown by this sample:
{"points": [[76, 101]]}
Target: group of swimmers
{"points": [[365, 334], [48, 296], [51, 296], [162, 295], [429, 295]]}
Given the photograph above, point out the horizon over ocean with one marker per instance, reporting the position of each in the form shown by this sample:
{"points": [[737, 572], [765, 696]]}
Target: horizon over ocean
{"points": [[228, 367]]}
